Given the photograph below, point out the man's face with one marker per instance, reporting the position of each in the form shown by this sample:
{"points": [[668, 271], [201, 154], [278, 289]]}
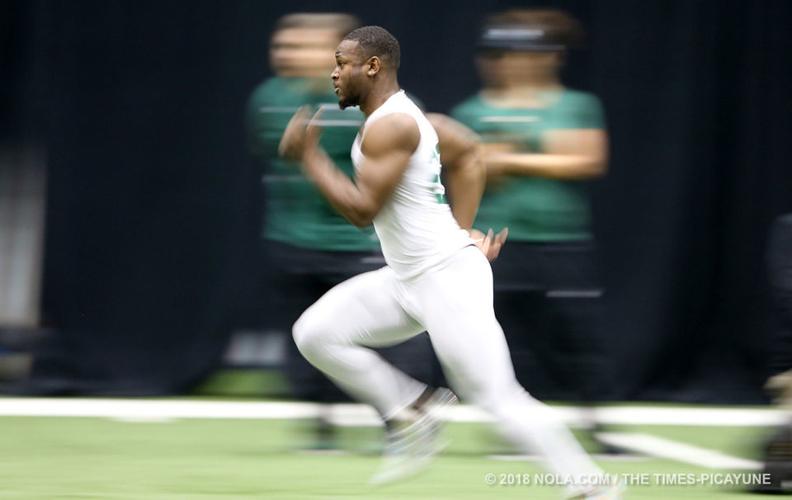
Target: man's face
{"points": [[517, 67], [490, 68], [303, 52], [349, 76]]}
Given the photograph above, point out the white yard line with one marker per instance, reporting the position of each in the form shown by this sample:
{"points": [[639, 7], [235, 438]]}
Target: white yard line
{"points": [[142, 409], [601, 457], [648, 444], [355, 414], [725, 416]]}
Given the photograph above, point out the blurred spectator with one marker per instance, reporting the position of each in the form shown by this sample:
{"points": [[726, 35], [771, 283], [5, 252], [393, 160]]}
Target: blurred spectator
{"points": [[541, 142], [778, 449], [308, 248], [779, 263]]}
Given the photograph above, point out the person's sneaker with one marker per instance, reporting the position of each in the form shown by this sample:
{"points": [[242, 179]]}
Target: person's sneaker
{"points": [[413, 438]]}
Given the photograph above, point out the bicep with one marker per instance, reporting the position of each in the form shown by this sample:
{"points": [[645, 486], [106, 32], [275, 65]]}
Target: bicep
{"points": [[387, 149], [379, 175]]}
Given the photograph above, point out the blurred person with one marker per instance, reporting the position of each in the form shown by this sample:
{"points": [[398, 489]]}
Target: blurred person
{"points": [[777, 450], [541, 142], [308, 248], [779, 267], [437, 276]]}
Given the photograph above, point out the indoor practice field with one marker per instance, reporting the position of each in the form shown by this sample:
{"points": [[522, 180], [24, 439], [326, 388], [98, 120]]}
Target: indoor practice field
{"points": [[165, 449], [359, 250]]}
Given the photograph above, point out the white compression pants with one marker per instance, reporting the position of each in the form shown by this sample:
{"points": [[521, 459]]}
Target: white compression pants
{"points": [[453, 303]]}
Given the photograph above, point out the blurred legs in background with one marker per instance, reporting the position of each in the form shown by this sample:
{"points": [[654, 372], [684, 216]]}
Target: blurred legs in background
{"points": [[548, 299], [778, 449]]}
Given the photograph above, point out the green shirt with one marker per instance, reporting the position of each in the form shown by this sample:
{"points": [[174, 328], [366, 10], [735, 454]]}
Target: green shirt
{"points": [[533, 208], [296, 212]]}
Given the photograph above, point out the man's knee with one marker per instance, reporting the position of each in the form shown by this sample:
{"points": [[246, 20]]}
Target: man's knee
{"points": [[307, 334]]}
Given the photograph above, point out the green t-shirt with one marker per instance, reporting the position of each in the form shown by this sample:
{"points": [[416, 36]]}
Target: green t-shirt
{"points": [[296, 212], [533, 208]]}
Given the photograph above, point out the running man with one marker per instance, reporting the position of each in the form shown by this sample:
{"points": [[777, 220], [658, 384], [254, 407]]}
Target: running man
{"points": [[437, 277]]}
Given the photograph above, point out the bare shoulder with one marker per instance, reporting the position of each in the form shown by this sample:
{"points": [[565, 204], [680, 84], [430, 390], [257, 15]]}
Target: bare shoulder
{"points": [[454, 137], [396, 131], [441, 121], [447, 126]]}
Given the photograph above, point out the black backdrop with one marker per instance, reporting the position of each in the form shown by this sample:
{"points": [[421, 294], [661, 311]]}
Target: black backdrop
{"points": [[154, 203]]}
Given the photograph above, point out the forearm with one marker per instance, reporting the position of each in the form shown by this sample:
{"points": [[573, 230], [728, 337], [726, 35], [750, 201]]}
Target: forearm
{"points": [[466, 184], [554, 166], [339, 190]]}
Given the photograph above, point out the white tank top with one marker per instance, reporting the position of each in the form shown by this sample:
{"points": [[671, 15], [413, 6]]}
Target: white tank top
{"points": [[415, 226]]}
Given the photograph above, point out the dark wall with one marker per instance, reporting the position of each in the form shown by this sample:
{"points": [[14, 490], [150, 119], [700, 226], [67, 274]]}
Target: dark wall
{"points": [[154, 202]]}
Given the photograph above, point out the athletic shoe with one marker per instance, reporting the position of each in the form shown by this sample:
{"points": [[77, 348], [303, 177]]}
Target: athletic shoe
{"points": [[413, 438]]}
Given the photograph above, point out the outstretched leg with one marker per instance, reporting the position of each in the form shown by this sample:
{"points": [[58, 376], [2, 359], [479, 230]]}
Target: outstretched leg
{"points": [[455, 305]]}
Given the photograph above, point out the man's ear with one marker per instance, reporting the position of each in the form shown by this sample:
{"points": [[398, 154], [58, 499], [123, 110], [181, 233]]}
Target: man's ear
{"points": [[374, 66]]}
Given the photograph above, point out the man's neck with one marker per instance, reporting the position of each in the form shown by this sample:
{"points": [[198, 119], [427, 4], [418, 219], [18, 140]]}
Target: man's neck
{"points": [[378, 96]]}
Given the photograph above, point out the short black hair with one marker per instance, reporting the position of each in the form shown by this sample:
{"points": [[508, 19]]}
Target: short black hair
{"points": [[377, 41]]}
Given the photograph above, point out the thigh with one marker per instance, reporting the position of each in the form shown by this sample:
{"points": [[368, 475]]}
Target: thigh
{"points": [[456, 309], [363, 310]]}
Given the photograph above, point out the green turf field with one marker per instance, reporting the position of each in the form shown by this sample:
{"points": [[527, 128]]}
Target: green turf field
{"points": [[51, 458]]}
